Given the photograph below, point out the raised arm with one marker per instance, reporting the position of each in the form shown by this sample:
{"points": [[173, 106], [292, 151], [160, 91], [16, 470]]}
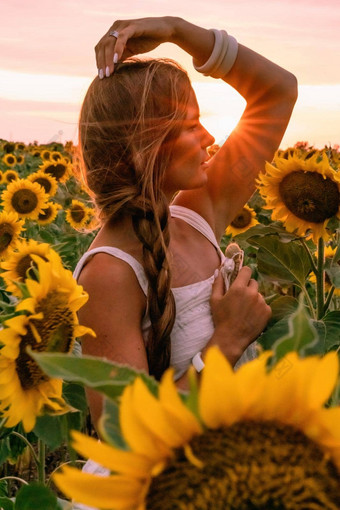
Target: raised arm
{"points": [[270, 93]]}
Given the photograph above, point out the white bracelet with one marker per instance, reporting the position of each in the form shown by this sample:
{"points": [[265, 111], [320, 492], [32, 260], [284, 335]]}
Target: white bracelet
{"points": [[223, 55], [197, 362]]}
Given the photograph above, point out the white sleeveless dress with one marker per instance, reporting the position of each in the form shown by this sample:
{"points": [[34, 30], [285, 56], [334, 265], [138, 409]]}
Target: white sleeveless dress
{"points": [[193, 325]]}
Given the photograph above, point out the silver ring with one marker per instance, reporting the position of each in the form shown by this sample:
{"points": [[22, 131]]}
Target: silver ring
{"points": [[114, 33]]}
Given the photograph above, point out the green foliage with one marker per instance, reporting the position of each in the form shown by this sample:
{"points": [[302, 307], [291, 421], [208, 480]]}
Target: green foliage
{"points": [[35, 495], [104, 376]]}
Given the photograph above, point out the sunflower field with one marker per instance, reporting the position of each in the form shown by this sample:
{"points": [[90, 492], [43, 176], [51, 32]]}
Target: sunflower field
{"points": [[266, 435]]}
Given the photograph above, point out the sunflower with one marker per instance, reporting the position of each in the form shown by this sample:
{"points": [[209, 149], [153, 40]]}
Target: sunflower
{"points": [[78, 215], [49, 213], [24, 197], [50, 324], [20, 146], [47, 181], [245, 219], [9, 176], [9, 159], [304, 193], [20, 159], [10, 228], [329, 253], [45, 155], [258, 439], [56, 156], [60, 170], [19, 264], [9, 147]]}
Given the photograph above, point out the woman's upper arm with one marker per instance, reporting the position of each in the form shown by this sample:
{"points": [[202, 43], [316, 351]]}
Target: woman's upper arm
{"points": [[114, 311]]}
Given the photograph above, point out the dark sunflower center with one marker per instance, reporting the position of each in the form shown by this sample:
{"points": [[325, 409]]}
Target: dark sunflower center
{"points": [[77, 213], [6, 236], [44, 183], [45, 214], [56, 171], [11, 177], [25, 268], [242, 220], [56, 331], [249, 466], [24, 201], [10, 160], [309, 196]]}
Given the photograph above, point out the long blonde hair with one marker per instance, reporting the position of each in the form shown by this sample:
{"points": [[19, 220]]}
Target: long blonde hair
{"points": [[128, 124]]}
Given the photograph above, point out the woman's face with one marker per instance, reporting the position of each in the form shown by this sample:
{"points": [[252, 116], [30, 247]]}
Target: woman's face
{"points": [[187, 169]]}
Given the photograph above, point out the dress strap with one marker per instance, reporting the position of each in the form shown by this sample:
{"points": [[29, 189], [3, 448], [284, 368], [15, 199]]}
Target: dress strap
{"points": [[196, 221], [120, 254]]}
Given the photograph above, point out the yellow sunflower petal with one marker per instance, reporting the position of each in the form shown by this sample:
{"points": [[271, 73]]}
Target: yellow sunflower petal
{"points": [[218, 380], [118, 492], [120, 461], [186, 423], [159, 426], [135, 432]]}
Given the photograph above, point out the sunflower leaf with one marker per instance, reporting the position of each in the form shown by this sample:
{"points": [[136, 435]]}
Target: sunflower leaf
{"points": [[35, 495], [333, 272], [328, 330], [102, 375], [282, 262], [6, 503], [109, 426], [301, 336]]}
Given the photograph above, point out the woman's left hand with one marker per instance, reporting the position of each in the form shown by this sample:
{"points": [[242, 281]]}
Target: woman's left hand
{"points": [[132, 37]]}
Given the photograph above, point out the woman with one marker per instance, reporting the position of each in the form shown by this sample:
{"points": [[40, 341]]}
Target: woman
{"points": [[155, 298]]}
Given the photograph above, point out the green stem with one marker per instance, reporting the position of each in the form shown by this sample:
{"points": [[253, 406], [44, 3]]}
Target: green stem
{"points": [[311, 260], [41, 465], [328, 300], [320, 280], [21, 480], [78, 461], [309, 302], [2, 423], [25, 440]]}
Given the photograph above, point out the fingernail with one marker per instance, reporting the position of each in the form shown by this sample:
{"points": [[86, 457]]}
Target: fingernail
{"points": [[101, 74], [216, 274], [115, 58], [107, 71]]}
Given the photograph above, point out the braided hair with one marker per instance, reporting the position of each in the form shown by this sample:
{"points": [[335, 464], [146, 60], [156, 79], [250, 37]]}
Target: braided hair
{"points": [[127, 127]]}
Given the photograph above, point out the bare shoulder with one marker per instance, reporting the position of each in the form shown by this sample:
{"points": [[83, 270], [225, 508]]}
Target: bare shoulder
{"points": [[111, 281]]}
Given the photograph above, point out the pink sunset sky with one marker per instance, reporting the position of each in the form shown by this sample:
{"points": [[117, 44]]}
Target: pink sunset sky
{"points": [[47, 61]]}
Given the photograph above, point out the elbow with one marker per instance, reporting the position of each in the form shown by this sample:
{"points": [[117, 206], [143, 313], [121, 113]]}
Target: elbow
{"points": [[287, 87]]}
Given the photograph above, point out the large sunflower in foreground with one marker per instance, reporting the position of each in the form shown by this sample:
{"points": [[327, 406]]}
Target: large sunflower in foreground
{"points": [[25, 198], [20, 265], [258, 439], [304, 193], [10, 228], [50, 324], [245, 219]]}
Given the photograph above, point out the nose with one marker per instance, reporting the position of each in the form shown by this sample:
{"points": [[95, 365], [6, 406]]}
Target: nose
{"points": [[207, 138]]}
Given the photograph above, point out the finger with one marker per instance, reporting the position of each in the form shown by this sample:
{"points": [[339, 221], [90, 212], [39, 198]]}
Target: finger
{"points": [[100, 59], [253, 284], [243, 277], [218, 286]]}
